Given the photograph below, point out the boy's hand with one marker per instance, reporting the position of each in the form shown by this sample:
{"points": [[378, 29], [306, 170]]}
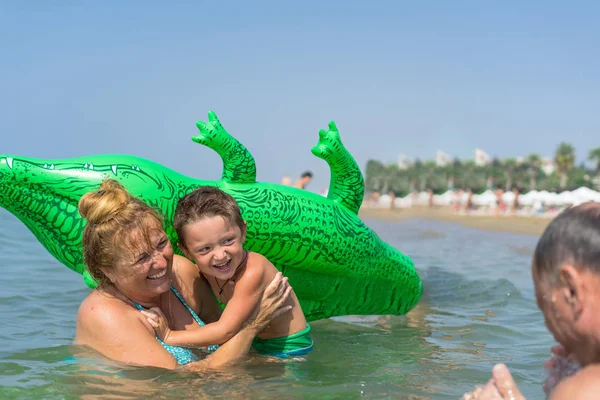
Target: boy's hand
{"points": [[157, 319]]}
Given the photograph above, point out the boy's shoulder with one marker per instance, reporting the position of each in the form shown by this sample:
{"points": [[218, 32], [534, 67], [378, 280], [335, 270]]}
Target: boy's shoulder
{"points": [[256, 258], [258, 262], [258, 268]]}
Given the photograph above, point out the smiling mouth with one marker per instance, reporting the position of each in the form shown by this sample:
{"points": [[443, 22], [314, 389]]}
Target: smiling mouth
{"points": [[158, 275], [223, 267]]}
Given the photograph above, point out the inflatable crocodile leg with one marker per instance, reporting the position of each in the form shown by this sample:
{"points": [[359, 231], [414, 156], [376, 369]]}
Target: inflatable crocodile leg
{"points": [[238, 163], [347, 186]]}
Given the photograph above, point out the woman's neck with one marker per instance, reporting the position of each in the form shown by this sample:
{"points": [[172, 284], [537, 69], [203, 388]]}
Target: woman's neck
{"points": [[146, 302]]}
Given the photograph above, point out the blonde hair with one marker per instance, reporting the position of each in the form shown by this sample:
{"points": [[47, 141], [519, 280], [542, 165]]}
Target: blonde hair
{"points": [[118, 227]]}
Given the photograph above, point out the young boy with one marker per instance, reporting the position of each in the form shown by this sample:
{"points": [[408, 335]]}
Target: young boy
{"points": [[211, 233]]}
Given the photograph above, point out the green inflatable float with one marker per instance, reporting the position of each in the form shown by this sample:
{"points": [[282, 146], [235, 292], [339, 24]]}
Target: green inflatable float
{"points": [[336, 264]]}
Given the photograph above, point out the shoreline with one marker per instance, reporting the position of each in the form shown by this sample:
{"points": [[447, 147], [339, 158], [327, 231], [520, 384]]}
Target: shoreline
{"points": [[510, 224]]}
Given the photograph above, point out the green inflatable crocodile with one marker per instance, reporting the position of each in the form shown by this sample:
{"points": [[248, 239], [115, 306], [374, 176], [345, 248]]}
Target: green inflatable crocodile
{"points": [[336, 264]]}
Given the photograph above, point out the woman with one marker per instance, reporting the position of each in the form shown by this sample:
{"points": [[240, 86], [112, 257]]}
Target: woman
{"points": [[127, 251]]}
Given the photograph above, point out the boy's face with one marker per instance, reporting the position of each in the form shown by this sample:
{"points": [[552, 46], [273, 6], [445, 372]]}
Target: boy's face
{"points": [[215, 244]]}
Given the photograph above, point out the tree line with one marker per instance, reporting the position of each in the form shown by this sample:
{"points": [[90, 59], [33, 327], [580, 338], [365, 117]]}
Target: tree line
{"points": [[504, 174]]}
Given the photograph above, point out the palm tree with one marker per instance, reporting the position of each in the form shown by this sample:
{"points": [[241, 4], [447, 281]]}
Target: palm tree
{"points": [[469, 167], [375, 174], [595, 157], [565, 159], [535, 162], [509, 167], [430, 168]]}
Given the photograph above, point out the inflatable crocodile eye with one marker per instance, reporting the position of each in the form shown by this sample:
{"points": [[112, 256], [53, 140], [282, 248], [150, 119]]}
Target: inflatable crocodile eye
{"points": [[336, 264]]}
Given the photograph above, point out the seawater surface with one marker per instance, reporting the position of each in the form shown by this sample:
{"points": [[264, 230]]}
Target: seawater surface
{"points": [[478, 309]]}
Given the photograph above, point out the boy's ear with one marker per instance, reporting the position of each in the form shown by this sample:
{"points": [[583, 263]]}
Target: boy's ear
{"points": [[184, 250], [244, 232]]}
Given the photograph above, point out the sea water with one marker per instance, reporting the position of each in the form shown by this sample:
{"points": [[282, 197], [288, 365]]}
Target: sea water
{"points": [[478, 309]]}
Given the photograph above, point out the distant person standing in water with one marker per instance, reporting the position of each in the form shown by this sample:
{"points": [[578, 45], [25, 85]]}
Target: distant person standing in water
{"points": [[304, 180], [286, 180]]}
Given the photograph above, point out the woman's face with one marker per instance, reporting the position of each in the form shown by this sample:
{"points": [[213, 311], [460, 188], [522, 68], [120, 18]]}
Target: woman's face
{"points": [[145, 273]]}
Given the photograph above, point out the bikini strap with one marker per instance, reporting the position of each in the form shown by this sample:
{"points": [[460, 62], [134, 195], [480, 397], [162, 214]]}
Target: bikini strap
{"points": [[194, 315], [211, 347]]}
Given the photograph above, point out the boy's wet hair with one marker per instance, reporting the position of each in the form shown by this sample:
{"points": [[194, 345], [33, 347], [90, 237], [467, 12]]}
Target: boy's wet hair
{"points": [[572, 237], [205, 202]]}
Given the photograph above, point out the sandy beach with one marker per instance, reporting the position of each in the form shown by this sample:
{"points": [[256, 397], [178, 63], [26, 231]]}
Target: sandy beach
{"points": [[513, 224]]}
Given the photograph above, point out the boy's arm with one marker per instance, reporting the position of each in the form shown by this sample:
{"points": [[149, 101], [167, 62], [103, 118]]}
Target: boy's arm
{"points": [[270, 306], [246, 295]]}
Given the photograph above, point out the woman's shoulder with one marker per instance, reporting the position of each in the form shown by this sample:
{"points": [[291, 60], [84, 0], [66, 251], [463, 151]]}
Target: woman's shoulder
{"points": [[184, 274], [102, 310], [184, 268], [116, 329]]}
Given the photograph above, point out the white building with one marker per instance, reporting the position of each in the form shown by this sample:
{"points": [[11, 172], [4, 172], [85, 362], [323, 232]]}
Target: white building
{"points": [[482, 158], [404, 162], [548, 166], [442, 159]]}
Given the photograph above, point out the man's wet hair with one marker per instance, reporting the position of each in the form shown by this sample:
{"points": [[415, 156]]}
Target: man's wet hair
{"points": [[306, 174], [572, 237]]}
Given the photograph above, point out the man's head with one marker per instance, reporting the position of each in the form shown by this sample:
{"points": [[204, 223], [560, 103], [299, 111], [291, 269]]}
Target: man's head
{"points": [[305, 179], [566, 275]]}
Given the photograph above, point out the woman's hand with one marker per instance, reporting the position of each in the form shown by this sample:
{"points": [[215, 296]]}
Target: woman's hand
{"points": [[272, 303]]}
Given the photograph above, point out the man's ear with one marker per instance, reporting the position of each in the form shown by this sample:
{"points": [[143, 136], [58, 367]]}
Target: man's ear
{"points": [[573, 288]]}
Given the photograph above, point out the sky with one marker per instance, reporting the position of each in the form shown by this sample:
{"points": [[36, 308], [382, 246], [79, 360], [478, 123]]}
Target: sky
{"points": [[398, 77]]}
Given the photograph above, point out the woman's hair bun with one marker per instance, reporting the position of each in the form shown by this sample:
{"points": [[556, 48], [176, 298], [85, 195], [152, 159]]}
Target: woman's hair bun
{"points": [[104, 204]]}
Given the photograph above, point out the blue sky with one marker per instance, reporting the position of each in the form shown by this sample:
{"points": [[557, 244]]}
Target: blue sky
{"points": [[398, 77]]}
